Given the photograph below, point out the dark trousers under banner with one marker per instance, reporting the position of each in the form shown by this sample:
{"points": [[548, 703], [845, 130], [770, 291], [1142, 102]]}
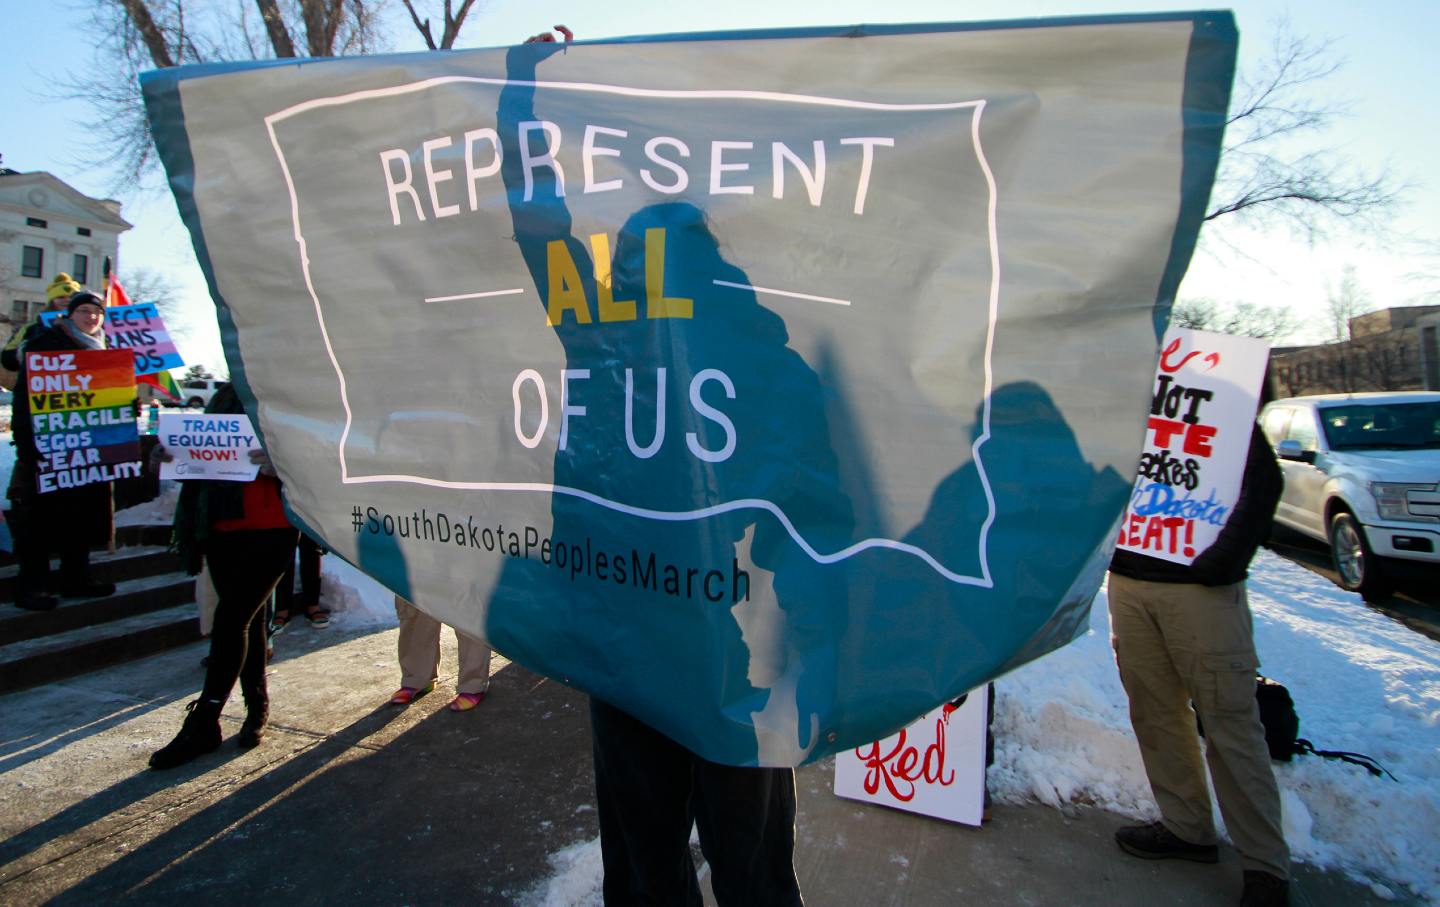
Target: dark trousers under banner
{"points": [[650, 791]]}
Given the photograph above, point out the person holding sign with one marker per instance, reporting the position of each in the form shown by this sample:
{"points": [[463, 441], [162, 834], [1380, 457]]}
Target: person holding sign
{"points": [[1182, 635], [241, 531], [67, 520]]}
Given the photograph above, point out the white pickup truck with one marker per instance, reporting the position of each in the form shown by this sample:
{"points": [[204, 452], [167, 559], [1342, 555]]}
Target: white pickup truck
{"points": [[198, 391], [1362, 473]]}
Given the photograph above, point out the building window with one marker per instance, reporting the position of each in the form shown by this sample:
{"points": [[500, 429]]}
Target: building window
{"points": [[81, 269], [37, 222], [32, 262], [19, 311], [83, 231]]}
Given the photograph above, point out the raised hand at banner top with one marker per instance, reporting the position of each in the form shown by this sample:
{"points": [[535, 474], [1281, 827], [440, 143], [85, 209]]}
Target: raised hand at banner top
{"points": [[546, 37]]}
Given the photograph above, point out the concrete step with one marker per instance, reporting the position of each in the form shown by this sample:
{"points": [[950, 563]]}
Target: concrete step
{"points": [[123, 564], [132, 597], [136, 536], [36, 661]]}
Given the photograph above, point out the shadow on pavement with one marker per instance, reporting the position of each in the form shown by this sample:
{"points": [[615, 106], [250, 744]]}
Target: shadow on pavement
{"points": [[439, 810], [88, 714]]}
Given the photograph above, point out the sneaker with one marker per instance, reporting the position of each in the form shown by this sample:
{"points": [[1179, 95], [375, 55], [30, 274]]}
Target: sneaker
{"points": [[1264, 890], [406, 695], [464, 702], [37, 603], [1156, 842], [319, 618], [87, 590]]}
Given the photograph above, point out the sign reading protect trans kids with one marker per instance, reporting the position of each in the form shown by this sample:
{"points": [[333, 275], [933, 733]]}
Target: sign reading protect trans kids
{"points": [[774, 387]]}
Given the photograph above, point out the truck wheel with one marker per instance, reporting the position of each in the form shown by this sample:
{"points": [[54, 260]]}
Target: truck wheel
{"points": [[195, 401], [1359, 569]]}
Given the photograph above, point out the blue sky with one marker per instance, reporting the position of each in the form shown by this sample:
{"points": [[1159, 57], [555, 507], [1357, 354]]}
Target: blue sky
{"points": [[1391, 82]]}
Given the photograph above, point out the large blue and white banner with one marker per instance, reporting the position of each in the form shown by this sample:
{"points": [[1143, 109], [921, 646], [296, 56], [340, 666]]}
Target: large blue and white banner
{"points": [[775, 387]]}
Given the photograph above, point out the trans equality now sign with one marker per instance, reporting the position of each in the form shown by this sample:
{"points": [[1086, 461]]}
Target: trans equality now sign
{"points": [[775, 387]]}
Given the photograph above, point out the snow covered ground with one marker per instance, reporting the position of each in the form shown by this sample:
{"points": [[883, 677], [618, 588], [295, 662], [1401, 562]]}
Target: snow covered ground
{"points": [[1361, 681]]}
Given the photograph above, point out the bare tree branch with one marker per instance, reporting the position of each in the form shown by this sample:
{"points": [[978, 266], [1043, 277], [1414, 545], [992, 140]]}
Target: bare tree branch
{"points": [[422, 27], [1345, 302], [1243, 319], [453, 23], [1261, 177]]}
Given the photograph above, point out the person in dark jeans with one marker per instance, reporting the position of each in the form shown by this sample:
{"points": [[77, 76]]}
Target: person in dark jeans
{"points": [[242, 532]]}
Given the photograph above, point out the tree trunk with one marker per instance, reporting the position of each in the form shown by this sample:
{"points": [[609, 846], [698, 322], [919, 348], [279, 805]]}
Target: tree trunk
{"points": [[275, 27], [150, 33]]}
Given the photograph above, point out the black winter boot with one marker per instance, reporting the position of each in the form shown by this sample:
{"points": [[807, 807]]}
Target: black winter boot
{"points": [[257, 715], [200, 734]]}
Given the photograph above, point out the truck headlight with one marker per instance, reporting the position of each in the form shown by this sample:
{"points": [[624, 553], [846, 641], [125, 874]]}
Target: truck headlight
{"points": [[1390, 499]]}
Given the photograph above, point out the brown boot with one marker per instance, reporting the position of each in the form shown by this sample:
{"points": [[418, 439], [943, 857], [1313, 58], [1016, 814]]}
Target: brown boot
{"points": [[1156, 842], [200, 734]]}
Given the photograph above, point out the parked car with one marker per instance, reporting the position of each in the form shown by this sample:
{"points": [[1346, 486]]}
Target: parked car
{"points": [[1362, 473], [198, 391]]}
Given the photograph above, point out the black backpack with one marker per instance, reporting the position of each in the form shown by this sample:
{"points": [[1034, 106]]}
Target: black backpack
{"points": [[1282, 729]]}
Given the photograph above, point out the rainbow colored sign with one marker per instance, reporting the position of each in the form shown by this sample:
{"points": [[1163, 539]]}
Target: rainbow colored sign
{"points": [[82, 407]]}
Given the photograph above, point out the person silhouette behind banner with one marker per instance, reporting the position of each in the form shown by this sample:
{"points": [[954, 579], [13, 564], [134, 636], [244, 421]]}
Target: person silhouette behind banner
{"points": [[650, 787]]}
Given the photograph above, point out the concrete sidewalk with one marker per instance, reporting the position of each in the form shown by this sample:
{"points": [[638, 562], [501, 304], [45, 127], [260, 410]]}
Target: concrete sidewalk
{"points": [[350, 801]]}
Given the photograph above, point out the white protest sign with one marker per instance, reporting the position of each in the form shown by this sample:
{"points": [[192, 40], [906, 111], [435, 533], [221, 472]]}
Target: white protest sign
{"points": [[1198, 436], [934, 767], [208, 447]]}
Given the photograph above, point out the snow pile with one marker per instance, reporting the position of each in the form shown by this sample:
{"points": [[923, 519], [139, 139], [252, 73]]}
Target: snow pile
{"points": [[1361, 682], [354, 599], [157, 512]]}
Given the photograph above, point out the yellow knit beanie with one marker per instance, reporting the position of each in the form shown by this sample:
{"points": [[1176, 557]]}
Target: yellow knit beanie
{"points": [[62, 285]]}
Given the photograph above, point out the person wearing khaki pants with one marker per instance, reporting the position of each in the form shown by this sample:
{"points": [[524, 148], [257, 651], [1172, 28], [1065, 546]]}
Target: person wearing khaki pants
{"points": [[1206, 652], [1182, 634], [419, 649]]}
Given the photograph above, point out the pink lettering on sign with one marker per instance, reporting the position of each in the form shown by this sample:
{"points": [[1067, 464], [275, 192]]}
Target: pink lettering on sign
{"points": [[903, 765]]}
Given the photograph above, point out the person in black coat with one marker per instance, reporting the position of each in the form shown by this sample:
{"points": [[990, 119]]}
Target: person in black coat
{"points": [[69, 521]]}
